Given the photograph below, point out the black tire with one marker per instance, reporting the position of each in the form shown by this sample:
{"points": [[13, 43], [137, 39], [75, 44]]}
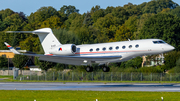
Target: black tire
{"points": [[89, 69], [106, 69]]}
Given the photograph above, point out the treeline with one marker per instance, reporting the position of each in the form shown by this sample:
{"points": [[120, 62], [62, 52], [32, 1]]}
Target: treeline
{"points": [[155, 19]]}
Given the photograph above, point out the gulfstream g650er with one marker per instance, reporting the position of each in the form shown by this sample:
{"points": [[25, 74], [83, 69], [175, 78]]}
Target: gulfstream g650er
{"points": [[101, 53]]}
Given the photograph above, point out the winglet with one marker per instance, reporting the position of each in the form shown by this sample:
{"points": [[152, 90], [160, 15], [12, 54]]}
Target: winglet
{"points": [[11, 48]]}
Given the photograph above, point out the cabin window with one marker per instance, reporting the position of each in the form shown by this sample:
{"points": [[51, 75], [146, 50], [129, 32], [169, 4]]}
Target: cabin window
{"points": [[104, 49], [91, 50], [130, 46], [97, 49], [137, 46], [117, 47], [155, 42], [161, 42], [123, 47], [110, 48]]}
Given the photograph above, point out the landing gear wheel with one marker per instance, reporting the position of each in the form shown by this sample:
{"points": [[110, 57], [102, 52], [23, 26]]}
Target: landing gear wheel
{"points": [[89, 69], [106, 69]]}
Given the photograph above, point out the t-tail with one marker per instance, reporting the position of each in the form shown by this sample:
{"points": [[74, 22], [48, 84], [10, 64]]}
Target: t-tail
{"points": [[46, 36]]}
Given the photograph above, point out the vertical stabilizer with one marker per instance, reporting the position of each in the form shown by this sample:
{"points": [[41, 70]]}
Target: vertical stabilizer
{"points": [[47, 39]]}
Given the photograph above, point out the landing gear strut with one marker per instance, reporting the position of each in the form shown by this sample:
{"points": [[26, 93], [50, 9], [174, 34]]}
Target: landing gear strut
{"points": [[105, 69], [89, 69]]}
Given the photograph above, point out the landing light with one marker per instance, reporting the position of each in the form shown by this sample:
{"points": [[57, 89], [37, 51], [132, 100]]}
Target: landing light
{"points": [[85, 61]]}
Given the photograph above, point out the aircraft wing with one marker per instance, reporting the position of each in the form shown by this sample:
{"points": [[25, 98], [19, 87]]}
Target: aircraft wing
{"points": [[75, 60]]}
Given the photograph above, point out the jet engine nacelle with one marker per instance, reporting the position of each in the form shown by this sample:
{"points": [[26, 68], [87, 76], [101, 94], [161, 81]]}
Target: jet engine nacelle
{"points": [[66, 49]]}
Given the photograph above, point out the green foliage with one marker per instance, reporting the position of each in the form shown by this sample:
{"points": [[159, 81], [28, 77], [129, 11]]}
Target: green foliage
{"points": [[176, 11], [52, 22], [170, 59], [176, 69], [45, 65], [97, 14], [30, 44], [65, 36], [150, 70], [68, 9], [3, 62], [20, 61], [156, 6], [135, 63], [123, 34]]}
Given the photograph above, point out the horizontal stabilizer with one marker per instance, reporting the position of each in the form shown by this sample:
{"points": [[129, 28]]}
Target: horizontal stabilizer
{"points": [[34, 32], [11, 48]]}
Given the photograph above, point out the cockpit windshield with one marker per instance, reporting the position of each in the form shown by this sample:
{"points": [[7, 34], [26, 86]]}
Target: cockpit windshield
{"points": [[159, 42]]}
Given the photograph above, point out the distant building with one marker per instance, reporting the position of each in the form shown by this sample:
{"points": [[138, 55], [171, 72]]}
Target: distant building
{"points": [[8, 54], [154, 60]]}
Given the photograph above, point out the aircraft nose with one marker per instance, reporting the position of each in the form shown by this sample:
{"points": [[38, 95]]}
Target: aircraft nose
{"points": [[170, 48]]}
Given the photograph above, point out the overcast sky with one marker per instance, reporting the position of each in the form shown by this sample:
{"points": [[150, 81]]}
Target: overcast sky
{"points": [[28, 6]]}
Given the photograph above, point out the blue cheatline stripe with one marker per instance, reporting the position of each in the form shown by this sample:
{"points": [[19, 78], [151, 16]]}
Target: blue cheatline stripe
{"points": [[10, 47]]}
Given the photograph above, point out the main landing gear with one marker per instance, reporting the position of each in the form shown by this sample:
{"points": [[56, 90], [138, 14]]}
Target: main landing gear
{"points": [[104, 68], [89, 69]]}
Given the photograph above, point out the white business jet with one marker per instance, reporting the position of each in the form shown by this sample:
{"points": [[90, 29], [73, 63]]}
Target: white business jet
{"points": [[101, 53]]}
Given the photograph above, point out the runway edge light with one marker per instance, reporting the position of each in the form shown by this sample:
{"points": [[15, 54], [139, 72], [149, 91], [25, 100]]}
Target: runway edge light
{"points": [[162, 98]]}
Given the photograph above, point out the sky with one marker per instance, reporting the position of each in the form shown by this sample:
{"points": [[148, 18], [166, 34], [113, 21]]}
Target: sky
{"points": [[30, 6]]}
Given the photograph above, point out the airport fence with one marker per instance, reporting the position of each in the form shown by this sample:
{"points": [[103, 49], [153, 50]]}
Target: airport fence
{"points": [[99, 76]]}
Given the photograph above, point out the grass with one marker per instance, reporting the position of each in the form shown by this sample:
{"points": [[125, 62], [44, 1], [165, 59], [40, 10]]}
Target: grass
{"points": [[26, 95], [6, 76]]}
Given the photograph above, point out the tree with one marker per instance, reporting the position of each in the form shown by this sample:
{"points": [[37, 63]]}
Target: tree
{"points": [[140, 24], [46, 12], [45, 65], [171, 59], [177, 67], [71, 17], [176, 11], [156, 6], [5, 13], [131, 23], [31, 44], [133, 10], [120, 13], [97, 14], [93, 9], [107, 25], [20, 61], [109, 10], [69, 10], [135, 63], [52, 22], [3, 62], [35, 19], [65, 36], [123, 33], [88, 21]]}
